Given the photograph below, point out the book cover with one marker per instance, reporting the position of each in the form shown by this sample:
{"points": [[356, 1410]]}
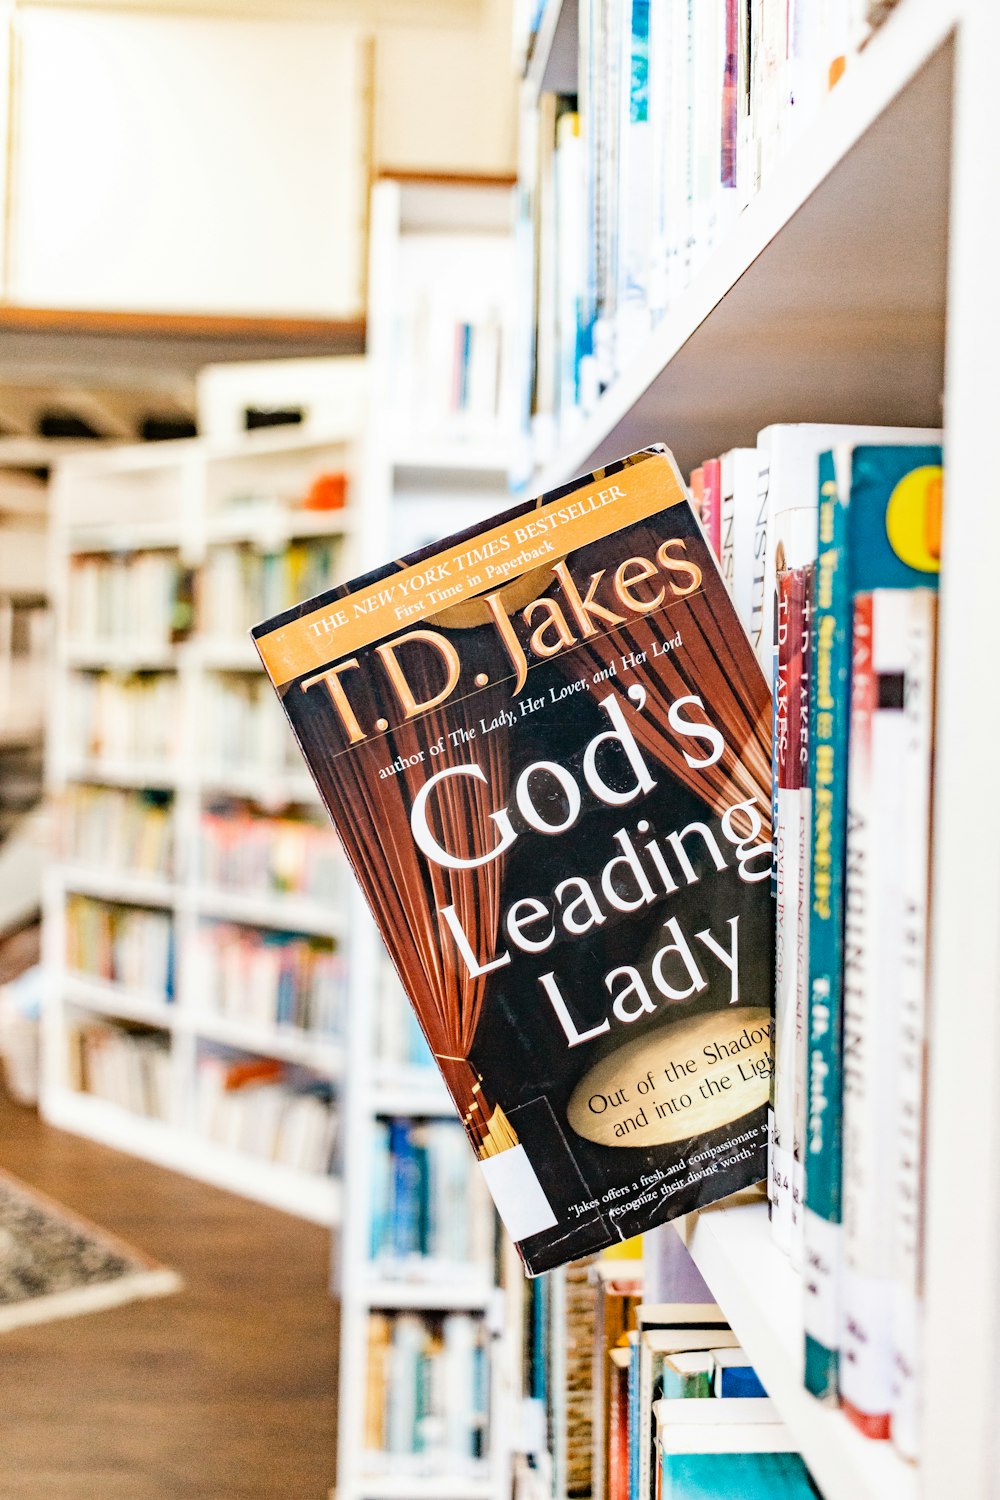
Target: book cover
{"points": [[545, 746]]}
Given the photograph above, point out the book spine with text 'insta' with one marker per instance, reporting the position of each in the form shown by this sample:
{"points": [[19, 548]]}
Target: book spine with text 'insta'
{"points": [[917, 779], [544, 742]]}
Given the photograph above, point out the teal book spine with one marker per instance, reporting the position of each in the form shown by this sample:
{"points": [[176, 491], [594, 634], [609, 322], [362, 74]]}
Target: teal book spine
{"points": [[829, 714], [736, 1476]]}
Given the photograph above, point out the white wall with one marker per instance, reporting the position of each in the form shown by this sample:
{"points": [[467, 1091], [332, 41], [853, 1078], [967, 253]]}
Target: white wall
{"points": [[186, 163]]}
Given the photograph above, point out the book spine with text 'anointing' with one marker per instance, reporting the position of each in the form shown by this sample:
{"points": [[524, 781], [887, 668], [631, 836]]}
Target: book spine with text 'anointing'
{"points": [[874, 938], [711, 503]]}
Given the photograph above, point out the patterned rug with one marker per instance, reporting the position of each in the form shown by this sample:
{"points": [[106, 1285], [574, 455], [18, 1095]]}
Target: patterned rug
{"points": [[54, 1264]]}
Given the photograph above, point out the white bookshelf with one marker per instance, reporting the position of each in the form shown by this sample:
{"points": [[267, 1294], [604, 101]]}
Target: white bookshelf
{"points": [[188, 497], [860, 285], [422, 480]]}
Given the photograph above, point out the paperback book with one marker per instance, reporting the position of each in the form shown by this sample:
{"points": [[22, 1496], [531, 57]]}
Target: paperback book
{"points": [[545, 744]]}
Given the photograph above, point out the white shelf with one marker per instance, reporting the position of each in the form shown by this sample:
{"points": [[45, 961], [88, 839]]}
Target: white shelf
{"points": [[177, 495], [121, 656], [214, 655], [271, 526], [552, 66], [382, 1486], [429, 1296], [419, 1093], [180, 1150], [165, 775], [761, 1295], [116, 1001], [830, 290], [286, 913], [450, 461], [272, 790], [131, 536], [287, 1043], [116, 885]]}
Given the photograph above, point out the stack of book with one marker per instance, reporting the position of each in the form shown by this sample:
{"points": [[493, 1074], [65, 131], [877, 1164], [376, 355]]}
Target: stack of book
{"points": [[431, 1212], [830, 540], [681, 1391], [260, 1106], [268, 977], [117, 829], [240, 585], [681, 113], [141, 596], [242, 849], [125, 945], [428, 1391], [126, 1065], [121, 717]]}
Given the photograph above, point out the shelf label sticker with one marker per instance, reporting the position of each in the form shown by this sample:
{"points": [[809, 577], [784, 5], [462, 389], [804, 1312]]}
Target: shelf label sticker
{"points": [[518, 1194]]}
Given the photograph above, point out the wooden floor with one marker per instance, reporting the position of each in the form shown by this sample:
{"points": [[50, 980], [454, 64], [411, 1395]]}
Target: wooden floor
{"points": [[224, 1391]]}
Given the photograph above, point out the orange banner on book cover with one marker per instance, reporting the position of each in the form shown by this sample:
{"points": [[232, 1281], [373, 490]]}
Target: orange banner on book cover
{"points": [[492, 559]]}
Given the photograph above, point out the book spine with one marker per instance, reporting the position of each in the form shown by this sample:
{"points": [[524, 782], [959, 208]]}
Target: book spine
{"points": [[634, 1422], [829, 720], [711, 503], [873, 942], [802, 625], [785, 849], [727, 520], [917, 768]]}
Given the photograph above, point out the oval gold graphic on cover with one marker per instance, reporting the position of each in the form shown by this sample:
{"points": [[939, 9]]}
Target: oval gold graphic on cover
{"points": [[678, 1081]]}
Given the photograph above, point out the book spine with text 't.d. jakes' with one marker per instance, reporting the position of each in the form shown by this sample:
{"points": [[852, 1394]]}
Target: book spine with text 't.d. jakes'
{"points": [[544, 743]]}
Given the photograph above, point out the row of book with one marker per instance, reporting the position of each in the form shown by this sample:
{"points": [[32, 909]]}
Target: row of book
{"points": [[682, 112], [830, 538], [135, 596], [124, 1064], [399, 1042], [644, 1400], [114, 716], [268, 977], [118, 829], [239, 585], [428, 1391], [448, 361], [241, 849], [126, 945], [242, 728], [430, 1209], [261, 1106]]}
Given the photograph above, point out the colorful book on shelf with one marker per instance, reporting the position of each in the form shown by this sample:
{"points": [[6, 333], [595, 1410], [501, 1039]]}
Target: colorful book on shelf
{"points": [[665, 1330], [566, 689], [733, 1375], [737, 1448], [908, 1194], [878, 526]]}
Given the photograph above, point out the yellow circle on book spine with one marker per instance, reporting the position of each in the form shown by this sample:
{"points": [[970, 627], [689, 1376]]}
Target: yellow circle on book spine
{"points": [[913, 518]]}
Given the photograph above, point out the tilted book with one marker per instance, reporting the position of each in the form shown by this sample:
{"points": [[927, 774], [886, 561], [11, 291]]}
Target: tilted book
{"points": [[544, 743]]}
